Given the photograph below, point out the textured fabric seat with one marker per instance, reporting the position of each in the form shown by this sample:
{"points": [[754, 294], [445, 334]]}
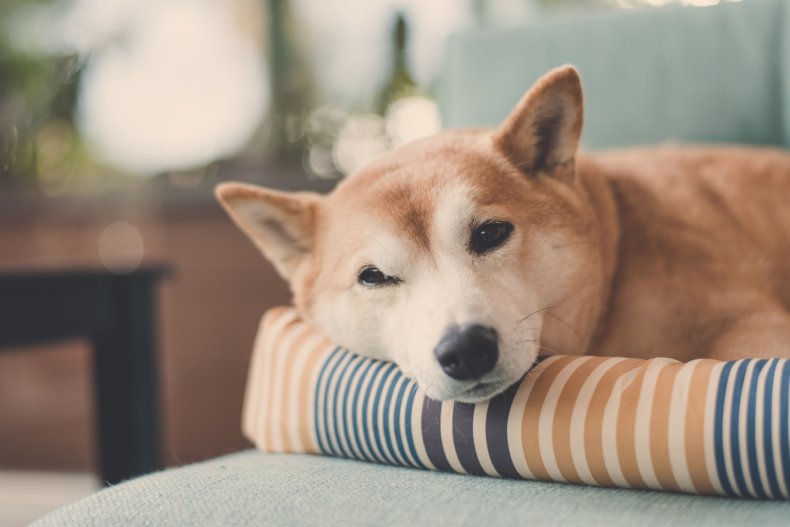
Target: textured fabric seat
{"points": [[254, 488]]}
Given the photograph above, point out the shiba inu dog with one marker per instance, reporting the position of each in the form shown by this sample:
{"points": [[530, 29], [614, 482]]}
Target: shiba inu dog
{"points": [[464, 256]]}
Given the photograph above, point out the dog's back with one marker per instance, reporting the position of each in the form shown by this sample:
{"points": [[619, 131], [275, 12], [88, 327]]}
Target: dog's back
{"points": [[704, 242]]}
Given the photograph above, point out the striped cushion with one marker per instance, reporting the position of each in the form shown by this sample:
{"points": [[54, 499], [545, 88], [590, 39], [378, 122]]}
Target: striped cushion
{"points": [[705, 426]]}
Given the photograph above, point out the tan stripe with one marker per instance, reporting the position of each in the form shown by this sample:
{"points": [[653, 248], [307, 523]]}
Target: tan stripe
{"points": [[695, 429], [593, 427], [530, 432], [275, 326], [307, 387], [626, 425], [269, 426], [659, 426], [561, 435], [286, 412]]}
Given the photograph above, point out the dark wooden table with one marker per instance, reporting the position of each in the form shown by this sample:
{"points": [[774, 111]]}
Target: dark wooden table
{"points": [[117, 314]]}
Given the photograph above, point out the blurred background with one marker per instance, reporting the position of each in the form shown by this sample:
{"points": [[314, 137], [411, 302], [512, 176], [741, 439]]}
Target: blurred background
{"points": [[117, 119]]}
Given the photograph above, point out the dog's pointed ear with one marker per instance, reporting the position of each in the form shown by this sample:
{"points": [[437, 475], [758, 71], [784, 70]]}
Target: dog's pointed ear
{"points": [[542, 133], [280, 224]]}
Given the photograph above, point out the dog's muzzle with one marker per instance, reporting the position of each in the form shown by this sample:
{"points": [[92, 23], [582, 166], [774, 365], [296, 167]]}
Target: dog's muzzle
{"points": [[468, 352]]}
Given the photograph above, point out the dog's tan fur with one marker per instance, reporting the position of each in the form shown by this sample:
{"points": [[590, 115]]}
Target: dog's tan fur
{"points": [[675, 251]]}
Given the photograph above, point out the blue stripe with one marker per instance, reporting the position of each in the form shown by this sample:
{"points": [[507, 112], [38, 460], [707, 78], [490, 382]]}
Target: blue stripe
{"points": [[366, 400], [768, 440], [376, 432], [386, 412], [784, 441], [320, 396], [363, 376], [343, 407], [718, 428], [397, 429], [735, 440], [336, 404], [409, 431], [751, 430]]}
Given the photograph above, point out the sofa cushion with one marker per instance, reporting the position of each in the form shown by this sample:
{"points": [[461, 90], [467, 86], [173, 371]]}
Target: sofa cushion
{"points": [[714, 74]]}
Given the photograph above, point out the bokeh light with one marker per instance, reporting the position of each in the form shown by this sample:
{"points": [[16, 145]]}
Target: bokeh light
{"points": [[121, 247]]}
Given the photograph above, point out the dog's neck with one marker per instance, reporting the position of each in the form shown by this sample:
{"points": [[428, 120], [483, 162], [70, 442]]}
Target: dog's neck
{"points": [[571, 328]]}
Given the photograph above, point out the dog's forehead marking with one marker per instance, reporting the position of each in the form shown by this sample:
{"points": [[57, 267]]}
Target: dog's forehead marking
{"points": [[453, 215]]}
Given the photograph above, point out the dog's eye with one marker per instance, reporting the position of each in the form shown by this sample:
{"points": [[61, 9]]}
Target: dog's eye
{"points": [[372, 277], [489, 235]]}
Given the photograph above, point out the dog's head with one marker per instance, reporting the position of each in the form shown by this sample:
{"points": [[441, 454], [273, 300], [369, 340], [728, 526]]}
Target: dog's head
{"points": [[446, 255]]}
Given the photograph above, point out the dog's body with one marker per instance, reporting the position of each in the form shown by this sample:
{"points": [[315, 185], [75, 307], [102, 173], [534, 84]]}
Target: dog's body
{"points": [[463, 256]]}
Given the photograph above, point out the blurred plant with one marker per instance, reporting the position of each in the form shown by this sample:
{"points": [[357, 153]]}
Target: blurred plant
{"points": [[34, 90]]}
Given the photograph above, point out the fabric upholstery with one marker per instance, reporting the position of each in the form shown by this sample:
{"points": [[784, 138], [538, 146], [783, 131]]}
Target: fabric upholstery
{"points": [[254, 489], [713, 74], [706, 426]]}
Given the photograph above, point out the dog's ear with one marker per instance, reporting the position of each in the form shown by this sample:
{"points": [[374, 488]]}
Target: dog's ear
{"points": [[280, 224], [542, 133]]}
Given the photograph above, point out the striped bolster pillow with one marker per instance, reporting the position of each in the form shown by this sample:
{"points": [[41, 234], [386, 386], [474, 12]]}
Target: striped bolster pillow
{"points": [[705, 426]]}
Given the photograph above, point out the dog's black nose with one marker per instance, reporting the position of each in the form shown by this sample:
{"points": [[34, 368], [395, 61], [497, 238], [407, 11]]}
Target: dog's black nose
{"points": [[468, 352]]}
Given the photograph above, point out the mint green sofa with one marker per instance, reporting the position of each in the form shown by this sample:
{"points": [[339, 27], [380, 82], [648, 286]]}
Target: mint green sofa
{"points": [[719, 74]]}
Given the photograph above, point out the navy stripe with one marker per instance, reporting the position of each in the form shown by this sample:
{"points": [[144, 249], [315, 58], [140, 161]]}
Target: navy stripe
{"points": [[768, 440], [718, 427], [409, 431], [784, 440], [320, 397], [496, 432], [388, 432], [751, 430], [336, 421], [735, 437], [376, 431], [397, 429], [432, 434], [344, 407], [367, 399], [463, 438], [355, 403]]}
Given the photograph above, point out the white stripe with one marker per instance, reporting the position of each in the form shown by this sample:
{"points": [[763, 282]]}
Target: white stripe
{"points": [[515, 419], [350, 384], [742, 421], [342, 385], [331, 424], [480, 439], [266, 390], [579, 419], [676, 428], [321, 397], [775, 429], [371, 418], [447, 437], [292, 413], [277, 419], [311, 400], [252, 399], [402, 422], [261, 392], [611, 454], [391, 420], [644, 415], [365, 394], [380, 419], [727, 425], [416, 426], [759, 423], [710, 413], [546, 419]]}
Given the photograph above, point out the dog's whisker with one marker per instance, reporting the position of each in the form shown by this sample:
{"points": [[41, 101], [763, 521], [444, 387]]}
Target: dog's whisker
{"points": [[536, 312]]}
